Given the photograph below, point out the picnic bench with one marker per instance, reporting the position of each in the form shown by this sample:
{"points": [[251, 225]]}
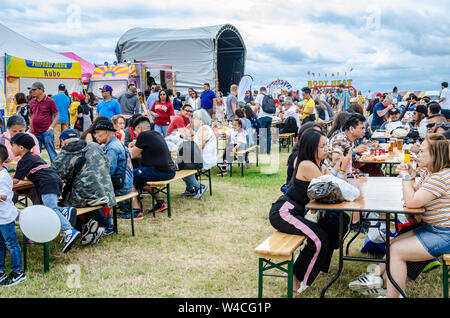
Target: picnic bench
{"points": [[279, 247], [80, 211], [241, 153], [289, 137], [163, 186], [445, 273]]}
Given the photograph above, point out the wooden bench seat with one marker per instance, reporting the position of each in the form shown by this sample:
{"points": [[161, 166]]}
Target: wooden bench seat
{"points": [[445, 273], [178, 175], [279, 247], [163, 186]]}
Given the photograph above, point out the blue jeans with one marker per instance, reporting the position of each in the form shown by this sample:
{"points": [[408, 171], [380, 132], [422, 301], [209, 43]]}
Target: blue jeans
{"points": [[144, 174], [191, 182], [266, 123], [8, 239], [48, 139], [102, 219], [50, 200], [161, 129]]}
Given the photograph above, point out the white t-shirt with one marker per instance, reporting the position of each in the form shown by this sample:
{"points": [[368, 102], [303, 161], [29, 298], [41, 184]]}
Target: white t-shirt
{"points": [[446, 103], [261, 113], [8, 212], [236, 136]]}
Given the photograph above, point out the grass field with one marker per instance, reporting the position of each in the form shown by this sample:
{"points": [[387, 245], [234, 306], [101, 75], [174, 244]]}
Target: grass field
{"points": [[206, 249]]}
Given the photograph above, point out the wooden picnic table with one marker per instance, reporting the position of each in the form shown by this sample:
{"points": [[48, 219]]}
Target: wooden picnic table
{"points": [[382, 195]]}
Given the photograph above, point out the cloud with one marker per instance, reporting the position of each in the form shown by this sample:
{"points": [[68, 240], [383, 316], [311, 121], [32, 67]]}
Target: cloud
{"points": [[403, 43]]}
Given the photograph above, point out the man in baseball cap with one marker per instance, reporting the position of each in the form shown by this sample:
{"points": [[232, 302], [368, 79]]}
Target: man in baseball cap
{"points": [[107, 107], [36, 85], [68, 134]]}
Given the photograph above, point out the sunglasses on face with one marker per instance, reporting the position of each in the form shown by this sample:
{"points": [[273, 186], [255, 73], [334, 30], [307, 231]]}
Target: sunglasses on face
{"points": [[188, 111]]}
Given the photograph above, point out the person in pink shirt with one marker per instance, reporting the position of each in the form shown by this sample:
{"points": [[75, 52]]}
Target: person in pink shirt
{"points": [[16, 124]]}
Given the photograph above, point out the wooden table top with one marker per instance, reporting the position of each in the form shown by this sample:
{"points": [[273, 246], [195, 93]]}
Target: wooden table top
{"points": [[22, 185], [378, 194]]}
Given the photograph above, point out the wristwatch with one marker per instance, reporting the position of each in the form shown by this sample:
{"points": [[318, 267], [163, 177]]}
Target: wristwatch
{"points": [[407, 177]]}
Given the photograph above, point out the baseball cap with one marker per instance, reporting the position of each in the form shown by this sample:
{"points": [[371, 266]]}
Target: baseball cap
{"points": [[81, 96], [74, 94], [23, 139], [104, 125], [61, 87], [395, 110], [277, 101], [106, 88], [379, 95], [36, 85], [68, 134]]}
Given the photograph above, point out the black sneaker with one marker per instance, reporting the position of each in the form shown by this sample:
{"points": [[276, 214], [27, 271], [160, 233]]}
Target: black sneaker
{"points": [[13, 279]]}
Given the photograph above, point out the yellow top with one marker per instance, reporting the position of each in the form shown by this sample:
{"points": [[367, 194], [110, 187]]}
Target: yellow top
{"points": [[73, 109], [307, 105]]}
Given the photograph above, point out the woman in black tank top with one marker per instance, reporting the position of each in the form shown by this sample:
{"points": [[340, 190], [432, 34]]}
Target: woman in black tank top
{"points": [[287, 213]]}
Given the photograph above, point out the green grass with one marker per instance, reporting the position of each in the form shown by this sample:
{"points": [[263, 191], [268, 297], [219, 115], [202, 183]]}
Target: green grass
{"points": [[206, 249]]}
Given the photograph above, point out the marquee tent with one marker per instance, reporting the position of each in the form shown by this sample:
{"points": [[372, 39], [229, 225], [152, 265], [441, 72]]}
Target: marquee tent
{"points": [[19, 53], [212, 54], [86, 68]]}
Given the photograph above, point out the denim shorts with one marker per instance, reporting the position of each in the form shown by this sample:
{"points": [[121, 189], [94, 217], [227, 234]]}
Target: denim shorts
{"points": [[435, 239]]}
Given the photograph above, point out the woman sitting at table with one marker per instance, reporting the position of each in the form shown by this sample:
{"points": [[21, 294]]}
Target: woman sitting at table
{"points": [[287, 214], [432, 238]]}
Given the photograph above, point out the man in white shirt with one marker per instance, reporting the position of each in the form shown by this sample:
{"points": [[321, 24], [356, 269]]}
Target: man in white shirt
{"points": [[265, 119], [444, 101]]}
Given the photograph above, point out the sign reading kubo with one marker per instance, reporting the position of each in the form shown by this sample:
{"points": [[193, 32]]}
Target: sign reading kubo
{"points": [[330, 83], [18, 67]]}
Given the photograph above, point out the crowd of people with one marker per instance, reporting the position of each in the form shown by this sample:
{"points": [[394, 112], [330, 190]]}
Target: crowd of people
{"points": [[425, 185], [100, 150]]}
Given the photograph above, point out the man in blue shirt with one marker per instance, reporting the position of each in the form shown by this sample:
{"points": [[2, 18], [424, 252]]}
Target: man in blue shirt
{"points": [[379, 111], [154, 96], [62, 102], [208, 100], [108, 106]]}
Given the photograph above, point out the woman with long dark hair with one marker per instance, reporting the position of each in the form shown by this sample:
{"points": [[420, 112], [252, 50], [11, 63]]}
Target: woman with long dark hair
{"points": [[23, 109], [337, 124], [287, 214], [163, 112], [294, 153]]}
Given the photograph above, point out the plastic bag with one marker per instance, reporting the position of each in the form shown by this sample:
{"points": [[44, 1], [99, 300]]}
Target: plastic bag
{"points": [[325, 192], [348, 192], [173, 141]]}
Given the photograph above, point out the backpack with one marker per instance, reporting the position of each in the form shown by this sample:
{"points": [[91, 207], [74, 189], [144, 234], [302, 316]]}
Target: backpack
{"points": [[268, 105], [290, 125], [189, 156]]}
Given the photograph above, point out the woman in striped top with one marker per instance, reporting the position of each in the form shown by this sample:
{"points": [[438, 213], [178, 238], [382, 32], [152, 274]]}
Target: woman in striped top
{"points": [[432, 238]]}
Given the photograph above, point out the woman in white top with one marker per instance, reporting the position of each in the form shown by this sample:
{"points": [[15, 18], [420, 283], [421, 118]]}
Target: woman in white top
{"points": [[194, 100], [206, 140]]}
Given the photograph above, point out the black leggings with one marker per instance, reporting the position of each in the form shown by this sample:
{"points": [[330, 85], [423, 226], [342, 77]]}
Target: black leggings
{"points": [[322, 237]]}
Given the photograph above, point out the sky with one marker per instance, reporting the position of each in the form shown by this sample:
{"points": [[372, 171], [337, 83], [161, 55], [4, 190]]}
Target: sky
{"points": [[384, 43]]}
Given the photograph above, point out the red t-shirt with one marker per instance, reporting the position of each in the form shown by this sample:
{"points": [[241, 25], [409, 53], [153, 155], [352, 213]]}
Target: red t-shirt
{"points": [[42, 114], [178, 122], [164, 110]]}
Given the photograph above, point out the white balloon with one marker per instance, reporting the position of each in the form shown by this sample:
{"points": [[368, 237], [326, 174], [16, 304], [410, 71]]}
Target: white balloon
{"points": [[39, 223]]}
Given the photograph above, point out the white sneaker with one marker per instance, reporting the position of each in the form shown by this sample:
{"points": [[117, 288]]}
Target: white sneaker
{"points": [[302, 288], [375, 292], [366, 281]]}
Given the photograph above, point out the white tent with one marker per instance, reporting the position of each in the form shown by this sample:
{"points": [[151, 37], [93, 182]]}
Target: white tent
{"points": [[213, 54], [14, 44]]}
